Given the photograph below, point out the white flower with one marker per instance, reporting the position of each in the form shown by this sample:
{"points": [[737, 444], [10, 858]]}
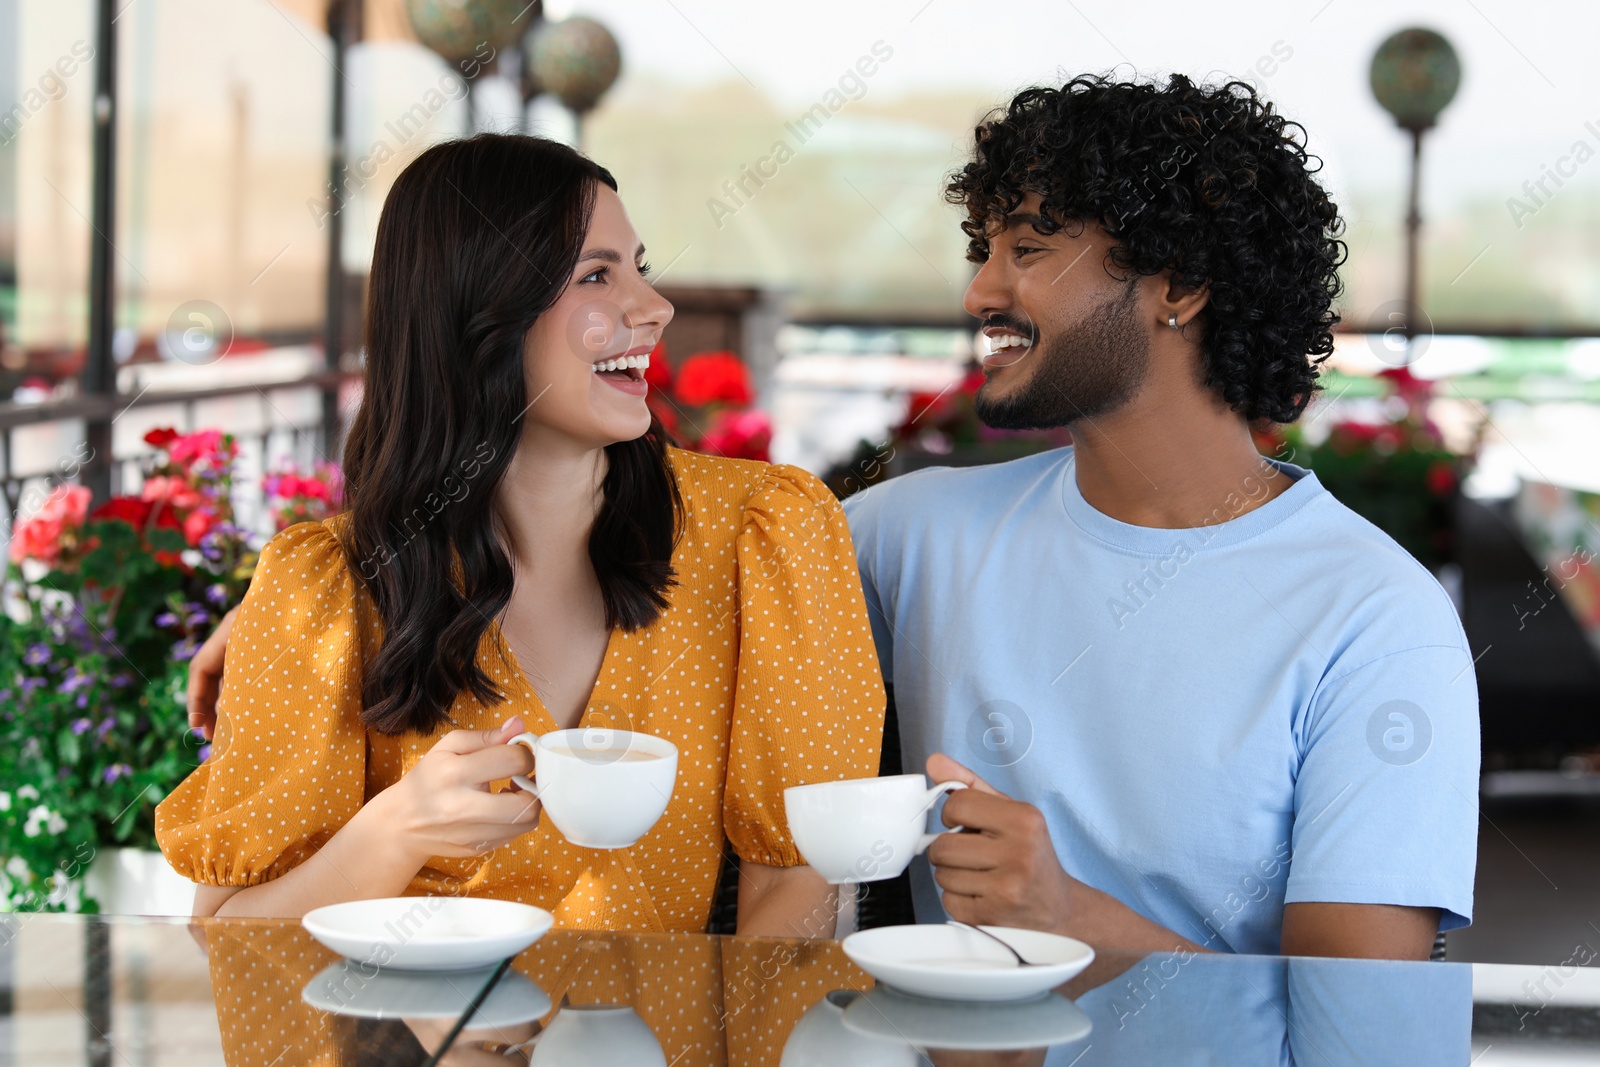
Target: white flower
{"points": [[17, 868], [37, 818], [56, 824], [5, 801], [27, 792]]}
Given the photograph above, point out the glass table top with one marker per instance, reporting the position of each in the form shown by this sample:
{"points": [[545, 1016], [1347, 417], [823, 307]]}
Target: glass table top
{"points": [[130, 991]]}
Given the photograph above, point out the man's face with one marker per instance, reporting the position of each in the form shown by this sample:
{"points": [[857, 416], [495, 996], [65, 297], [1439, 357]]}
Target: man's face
{"points": [[1064, 339]]}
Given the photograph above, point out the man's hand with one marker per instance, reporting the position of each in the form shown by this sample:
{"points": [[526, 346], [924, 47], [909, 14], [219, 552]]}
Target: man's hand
{"points": [[1003, 871], [205, 678]]}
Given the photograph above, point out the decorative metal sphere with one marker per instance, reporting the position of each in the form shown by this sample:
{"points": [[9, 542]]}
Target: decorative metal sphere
{"points": [[1415, 73], [459, 29], [577, 59]]}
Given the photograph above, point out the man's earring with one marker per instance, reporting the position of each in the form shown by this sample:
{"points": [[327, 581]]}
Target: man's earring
{"points": [[1172, 320]]}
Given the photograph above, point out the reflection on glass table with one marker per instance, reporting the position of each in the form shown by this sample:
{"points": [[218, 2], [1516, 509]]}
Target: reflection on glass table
{"points": [[151, 993]]}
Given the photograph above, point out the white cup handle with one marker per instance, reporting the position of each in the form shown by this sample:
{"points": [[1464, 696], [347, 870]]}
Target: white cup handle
{"points": [[527, 784], [932, 798]]}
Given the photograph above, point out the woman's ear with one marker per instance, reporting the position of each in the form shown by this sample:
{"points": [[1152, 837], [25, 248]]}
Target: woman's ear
{"points": [[1181, 303]]}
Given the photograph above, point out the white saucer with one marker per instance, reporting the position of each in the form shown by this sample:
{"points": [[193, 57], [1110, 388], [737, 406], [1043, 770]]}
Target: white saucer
{"points": [[428, 933], [950, 963], [349, 988], [1038, 1023]]}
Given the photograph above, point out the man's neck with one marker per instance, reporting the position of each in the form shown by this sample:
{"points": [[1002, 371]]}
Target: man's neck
{"points": [[1172, 460]]}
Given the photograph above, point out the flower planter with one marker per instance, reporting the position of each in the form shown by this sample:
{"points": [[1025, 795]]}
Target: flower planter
{"points": [[133, 881]]}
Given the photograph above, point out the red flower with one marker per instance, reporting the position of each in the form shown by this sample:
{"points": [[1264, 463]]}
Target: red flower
{"points": [[659, 372], [714, 378], [1441, 478], [161, 437], [131, 510], [174, 492]]}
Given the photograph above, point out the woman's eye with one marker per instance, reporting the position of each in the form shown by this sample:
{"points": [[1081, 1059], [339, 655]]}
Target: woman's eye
{"points": [[644, 270], [593, 276], [1023, 250]]}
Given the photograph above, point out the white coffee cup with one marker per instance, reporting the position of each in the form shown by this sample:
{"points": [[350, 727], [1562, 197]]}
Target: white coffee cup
{"points": [[602, 788], [864, 829]]}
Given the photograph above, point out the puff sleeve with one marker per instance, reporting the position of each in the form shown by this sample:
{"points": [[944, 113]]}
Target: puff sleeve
{"points": [[288, 764], [808, 702]]}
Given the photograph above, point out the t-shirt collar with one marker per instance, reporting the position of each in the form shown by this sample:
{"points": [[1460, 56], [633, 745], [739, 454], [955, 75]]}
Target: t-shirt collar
{"points": [[1226, 527]]}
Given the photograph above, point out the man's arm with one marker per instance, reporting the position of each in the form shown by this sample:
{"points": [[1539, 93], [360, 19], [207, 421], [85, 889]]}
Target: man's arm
{"points": [[1367, 931], [1005, 872]]}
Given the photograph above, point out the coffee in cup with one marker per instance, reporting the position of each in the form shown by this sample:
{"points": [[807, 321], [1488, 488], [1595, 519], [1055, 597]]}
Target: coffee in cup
{"points": [[864, 829], [602, 788]]}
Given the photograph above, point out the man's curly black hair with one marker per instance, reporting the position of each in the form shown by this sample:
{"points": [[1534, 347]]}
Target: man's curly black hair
{"points": [[1207, 181]]}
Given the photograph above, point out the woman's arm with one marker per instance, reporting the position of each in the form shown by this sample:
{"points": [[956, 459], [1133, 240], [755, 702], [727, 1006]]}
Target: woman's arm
{"points": [[785, 902], [443, 807]]}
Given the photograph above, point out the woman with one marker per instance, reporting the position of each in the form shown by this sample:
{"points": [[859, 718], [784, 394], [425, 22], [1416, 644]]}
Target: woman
{"points": [[522, 551]]}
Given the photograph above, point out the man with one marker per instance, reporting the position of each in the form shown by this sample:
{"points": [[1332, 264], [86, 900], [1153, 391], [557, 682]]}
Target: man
{"points": [[1201, 704]]}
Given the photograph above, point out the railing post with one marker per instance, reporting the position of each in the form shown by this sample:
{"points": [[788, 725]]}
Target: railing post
{"points": [[99, 375], [344, 27]]}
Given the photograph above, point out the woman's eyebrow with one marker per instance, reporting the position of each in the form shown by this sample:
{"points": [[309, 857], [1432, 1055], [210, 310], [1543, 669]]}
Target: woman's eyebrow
{"points": [[605, 254]]}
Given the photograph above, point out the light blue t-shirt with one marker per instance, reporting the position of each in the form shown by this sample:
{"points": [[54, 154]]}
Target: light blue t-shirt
{"points": [[1277, 705]]}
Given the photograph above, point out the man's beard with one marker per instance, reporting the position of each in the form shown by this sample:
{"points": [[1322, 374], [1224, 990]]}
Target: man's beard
{"points": [[1087, 371]]}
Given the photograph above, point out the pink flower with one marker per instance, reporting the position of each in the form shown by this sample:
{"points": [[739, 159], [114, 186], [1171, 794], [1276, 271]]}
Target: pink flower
{"points": [[202, 444], [39, 536], [196, 525], [739, 435], [174, 492]]}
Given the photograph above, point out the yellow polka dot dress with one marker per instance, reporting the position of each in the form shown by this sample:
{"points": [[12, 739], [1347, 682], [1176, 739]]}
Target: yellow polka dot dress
{"points": [[761, 671]]}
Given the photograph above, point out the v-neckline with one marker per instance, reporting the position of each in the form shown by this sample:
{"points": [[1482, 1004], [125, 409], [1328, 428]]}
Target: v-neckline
{"points": [[548, 722]]}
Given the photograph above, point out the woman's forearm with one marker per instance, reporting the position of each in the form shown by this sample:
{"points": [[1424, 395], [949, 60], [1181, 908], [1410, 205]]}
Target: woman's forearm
{"points": [[785, 902], [361, 861]]}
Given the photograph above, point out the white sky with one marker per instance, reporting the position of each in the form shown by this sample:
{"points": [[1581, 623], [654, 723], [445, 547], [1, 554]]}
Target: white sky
{"points": [[1530, 79]]}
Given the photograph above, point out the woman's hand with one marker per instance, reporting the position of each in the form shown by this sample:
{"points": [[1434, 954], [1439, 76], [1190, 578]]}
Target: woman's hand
{"points": [[443, 806], [205, 677]]}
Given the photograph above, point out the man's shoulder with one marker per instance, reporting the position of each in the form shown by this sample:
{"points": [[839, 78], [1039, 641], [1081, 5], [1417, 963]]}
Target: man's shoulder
{"points": [[945, 494], [1377, 578]]}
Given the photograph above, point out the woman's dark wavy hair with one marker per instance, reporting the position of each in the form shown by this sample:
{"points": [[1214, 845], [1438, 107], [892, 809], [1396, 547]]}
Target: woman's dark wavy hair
{"points": [[477, 239], [1209, 182]]}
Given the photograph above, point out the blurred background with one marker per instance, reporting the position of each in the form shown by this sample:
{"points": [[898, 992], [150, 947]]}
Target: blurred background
{"points": [[189, 191]]}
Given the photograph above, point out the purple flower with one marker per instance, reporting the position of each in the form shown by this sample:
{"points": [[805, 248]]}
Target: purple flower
{"points": [[36, 655], [167, 618], [74, 681], [30, 684], [198, 733], [105, 727], [217, 593], [184, 650], [5, 694], [63, 773], [199, 618], [81, 726], [204, 753], [115, 771], [82, 701], [120, 679]]}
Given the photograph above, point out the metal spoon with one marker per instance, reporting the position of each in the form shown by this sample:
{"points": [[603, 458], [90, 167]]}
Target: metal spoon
{"points": [[968, 926]]}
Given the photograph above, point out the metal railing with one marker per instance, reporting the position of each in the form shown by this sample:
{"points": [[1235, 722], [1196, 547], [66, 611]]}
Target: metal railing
{"points": [[272, 420]]}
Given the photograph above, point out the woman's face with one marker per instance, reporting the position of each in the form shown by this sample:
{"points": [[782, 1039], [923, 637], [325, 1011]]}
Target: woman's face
{"points": [[609, 316]]}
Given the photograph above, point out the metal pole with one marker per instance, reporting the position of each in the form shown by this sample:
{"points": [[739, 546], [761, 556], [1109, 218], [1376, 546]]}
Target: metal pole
{"points": [[1413, 238], [343, 16], [99, 369]]}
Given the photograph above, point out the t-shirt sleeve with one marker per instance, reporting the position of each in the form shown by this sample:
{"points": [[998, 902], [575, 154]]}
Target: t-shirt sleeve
{"points": [[288, 765], [808, 703], [1386, 808], [863, 513]]}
